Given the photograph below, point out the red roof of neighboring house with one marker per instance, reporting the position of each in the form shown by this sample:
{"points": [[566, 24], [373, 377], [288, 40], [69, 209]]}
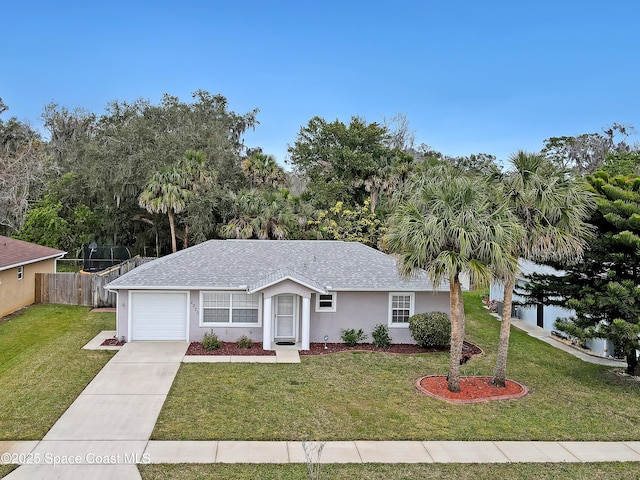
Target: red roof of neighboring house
{"points": [[14, 253]]}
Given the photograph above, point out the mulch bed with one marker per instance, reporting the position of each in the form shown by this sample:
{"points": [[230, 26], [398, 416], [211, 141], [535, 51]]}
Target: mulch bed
{"points": [[472, 389], [228, 348], [468, 349], [112, 342]]}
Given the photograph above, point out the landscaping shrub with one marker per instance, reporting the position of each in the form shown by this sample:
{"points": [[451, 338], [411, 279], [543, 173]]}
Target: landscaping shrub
{"points": [[244, 342], [351, 337], [211, 341], [381, 336], [431, 330]]}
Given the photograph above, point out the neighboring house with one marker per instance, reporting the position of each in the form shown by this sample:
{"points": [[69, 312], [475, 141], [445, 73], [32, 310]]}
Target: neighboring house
{"points": [[542, 315], [295, 291], [19, 263]]}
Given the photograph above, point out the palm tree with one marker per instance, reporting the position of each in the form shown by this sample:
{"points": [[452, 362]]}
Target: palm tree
{"points": [[392, 173], [448, 226], [263, 171], [551, 206], [166, 192], [259, 214], [197, 178], [170, 189]]}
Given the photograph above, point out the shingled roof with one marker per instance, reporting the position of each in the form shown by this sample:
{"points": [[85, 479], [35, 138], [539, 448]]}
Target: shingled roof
{"points": [[14, 253], [249, 264]]}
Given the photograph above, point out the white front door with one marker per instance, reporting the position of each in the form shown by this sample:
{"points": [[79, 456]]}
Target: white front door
{"points": [[285, 316]]}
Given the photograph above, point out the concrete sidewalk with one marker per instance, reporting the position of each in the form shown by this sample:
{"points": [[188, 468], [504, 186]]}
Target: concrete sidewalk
{"points": [[393, 452], [129, 453], [545, 336]]}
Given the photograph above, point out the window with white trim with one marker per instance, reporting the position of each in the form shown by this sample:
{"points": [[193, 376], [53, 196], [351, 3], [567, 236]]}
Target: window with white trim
{"points": [[20, 273], [230, 308], [400, 308], [326, 302]]}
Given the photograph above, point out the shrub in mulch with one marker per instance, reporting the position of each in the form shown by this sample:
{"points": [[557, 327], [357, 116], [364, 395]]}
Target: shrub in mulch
{"points": [[231, 348], [468, 350]]}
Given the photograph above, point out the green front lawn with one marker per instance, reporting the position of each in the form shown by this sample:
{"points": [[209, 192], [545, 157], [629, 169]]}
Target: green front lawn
{"points": [[43, 367], [6, 469], [371, 396], [517, 471]]}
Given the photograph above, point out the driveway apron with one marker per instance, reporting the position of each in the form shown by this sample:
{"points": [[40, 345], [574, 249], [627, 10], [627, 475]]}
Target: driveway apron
{"points": [[107, 428]]}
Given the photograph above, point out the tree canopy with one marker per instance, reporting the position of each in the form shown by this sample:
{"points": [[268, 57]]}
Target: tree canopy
{"points": [[108, 161]]}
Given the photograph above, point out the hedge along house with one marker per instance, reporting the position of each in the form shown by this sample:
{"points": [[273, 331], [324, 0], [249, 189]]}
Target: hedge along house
{"points": [[274, 292], [19, 263]]}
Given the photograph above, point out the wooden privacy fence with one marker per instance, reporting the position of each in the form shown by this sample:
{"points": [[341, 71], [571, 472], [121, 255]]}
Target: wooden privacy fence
{"points": [[85, 289]]}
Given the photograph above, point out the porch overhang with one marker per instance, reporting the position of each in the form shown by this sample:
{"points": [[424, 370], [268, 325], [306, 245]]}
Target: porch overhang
{"points": [[282, 275]]}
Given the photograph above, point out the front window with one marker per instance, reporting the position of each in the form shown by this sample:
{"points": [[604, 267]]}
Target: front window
{"points": [[400, 308], [233, 308], [326, 302], [20, 273]]}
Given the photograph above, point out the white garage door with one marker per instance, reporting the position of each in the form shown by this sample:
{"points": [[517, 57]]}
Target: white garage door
{"points": [[159, 315]]}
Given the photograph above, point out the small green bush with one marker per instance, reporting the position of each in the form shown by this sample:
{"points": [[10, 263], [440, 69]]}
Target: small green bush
{"points": [[431, 330], [381, 336], [244, 342], [351, 337], [211, 341]]}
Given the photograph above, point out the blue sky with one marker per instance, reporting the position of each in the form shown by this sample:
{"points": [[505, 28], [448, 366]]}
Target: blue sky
{"points": [[471, 76]]}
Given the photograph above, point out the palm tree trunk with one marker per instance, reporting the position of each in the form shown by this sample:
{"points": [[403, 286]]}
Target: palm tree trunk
{"points": [[457, 335], [172, 226], [500, 373], [632, 362], [374, 199]]}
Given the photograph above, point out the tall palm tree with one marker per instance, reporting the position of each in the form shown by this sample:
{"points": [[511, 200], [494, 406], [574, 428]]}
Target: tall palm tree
{"points": [[166, 192], [448, 226], [551, 206], [197, 178], [169, 190]]}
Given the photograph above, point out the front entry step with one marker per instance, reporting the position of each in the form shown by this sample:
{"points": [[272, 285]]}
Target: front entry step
{"points": [[287, 356]]}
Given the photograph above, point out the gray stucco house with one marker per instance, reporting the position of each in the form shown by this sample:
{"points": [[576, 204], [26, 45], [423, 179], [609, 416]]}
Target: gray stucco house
{"points": [[271, 291]]}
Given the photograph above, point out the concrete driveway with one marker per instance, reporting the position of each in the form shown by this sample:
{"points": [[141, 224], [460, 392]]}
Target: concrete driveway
{"points": [[112, 419]]}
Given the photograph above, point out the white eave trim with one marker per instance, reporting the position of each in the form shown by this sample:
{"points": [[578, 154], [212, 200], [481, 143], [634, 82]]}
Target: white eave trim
{"points": [[42, 259], [177, 288]]}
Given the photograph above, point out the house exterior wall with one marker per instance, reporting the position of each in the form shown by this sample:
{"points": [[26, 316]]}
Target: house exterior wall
{"points": [[14, 293], [367, 309], [122, 314], [354, 310], [226, 333]]}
